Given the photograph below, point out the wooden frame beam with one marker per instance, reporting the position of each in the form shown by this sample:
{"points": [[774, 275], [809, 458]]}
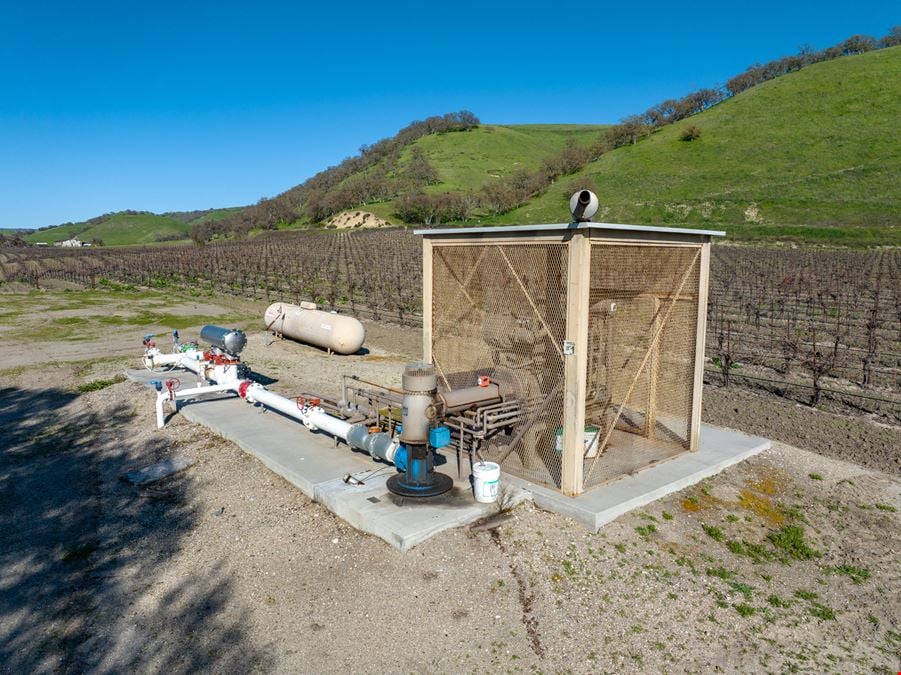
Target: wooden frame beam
{"points": [[575, 366]]}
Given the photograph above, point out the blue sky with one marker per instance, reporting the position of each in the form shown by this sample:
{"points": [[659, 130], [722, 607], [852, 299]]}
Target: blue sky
{"points": [[188, 105]]}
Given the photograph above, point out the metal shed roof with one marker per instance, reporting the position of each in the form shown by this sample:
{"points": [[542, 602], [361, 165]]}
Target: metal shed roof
{"points": [[567, 226]]}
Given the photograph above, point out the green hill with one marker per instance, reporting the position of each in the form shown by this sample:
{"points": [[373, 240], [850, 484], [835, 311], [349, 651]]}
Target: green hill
{"points": [[129, 228], [814, 154], [465, 161]]}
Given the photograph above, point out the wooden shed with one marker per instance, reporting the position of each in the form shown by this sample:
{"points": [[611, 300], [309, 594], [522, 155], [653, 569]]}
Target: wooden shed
{"points": [[600, 326]]}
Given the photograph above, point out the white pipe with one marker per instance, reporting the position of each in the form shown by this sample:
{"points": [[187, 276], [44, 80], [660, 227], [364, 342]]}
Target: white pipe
{"points": [[380, 445], [160, 416], [312, 418], [186, 359], [185, 393], [287, 406], [319, 419], [166, 395]]}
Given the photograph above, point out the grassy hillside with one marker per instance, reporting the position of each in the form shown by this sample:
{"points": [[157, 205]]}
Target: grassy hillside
{"points": [[467, 160], [125, 229], [118, 229], [814, 155], [194, 217]]}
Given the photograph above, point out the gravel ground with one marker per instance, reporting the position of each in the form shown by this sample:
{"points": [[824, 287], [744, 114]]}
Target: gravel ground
{"points": [[788, 561]]}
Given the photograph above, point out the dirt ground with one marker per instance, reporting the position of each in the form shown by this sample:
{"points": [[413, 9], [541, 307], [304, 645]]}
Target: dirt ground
{"points": [[788, 561]]}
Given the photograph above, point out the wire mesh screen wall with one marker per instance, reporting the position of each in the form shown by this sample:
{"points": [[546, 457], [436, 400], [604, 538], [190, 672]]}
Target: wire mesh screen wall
{"points": [[500, 310], [614, 343], [642, 334]]}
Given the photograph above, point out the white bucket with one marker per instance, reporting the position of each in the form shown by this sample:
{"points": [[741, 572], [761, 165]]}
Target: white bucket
{"points": [[590, 439], [486, 477]]}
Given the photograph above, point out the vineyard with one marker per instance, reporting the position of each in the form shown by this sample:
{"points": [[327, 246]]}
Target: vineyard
{"points": [[817, 326]]}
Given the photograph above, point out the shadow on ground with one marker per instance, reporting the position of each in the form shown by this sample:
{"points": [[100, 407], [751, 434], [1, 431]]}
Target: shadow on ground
{"points": [[81, 552]]}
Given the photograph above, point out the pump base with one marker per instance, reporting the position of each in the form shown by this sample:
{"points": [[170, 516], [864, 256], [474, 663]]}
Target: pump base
{"points": [[438, 484]]}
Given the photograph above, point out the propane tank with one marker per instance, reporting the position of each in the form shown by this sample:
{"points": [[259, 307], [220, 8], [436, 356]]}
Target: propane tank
{"points": [[340, 333]]}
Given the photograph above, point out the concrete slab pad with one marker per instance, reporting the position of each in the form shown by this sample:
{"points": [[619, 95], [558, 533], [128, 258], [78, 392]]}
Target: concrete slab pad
{"points": [[314, 464], [719, 449], [403, 522]]}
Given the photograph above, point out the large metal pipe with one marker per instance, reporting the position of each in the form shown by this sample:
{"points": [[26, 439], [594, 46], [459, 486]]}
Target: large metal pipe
{"points": [[304, 323], [379, 445], [229, 340], [461, 399]]}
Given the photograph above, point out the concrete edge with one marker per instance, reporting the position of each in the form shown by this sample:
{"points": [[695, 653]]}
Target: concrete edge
{"points": [[594, 519]]}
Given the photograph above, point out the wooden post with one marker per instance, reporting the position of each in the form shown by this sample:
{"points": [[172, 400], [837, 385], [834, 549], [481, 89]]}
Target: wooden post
{"points": [[426, 300], [701, 338], [650, 418], [578, 281]]}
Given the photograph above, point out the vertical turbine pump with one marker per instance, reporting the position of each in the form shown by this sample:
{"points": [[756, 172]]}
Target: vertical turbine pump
{"points": [[419, 479]]}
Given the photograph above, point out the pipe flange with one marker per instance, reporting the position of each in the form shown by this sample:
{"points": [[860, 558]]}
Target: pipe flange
{"points": [[438, 484]]}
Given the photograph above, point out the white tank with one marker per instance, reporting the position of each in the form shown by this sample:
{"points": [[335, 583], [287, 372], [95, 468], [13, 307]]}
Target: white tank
{"points": [[304, 323]]}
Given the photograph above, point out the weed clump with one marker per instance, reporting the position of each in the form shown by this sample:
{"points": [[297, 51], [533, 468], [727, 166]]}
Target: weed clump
{"points": [[714, 533], [822, 612], [756, 552], [97, 385], [806, 595], [739, 587], [646, 530], [790, 541], [857, 574], [720, 572]]}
